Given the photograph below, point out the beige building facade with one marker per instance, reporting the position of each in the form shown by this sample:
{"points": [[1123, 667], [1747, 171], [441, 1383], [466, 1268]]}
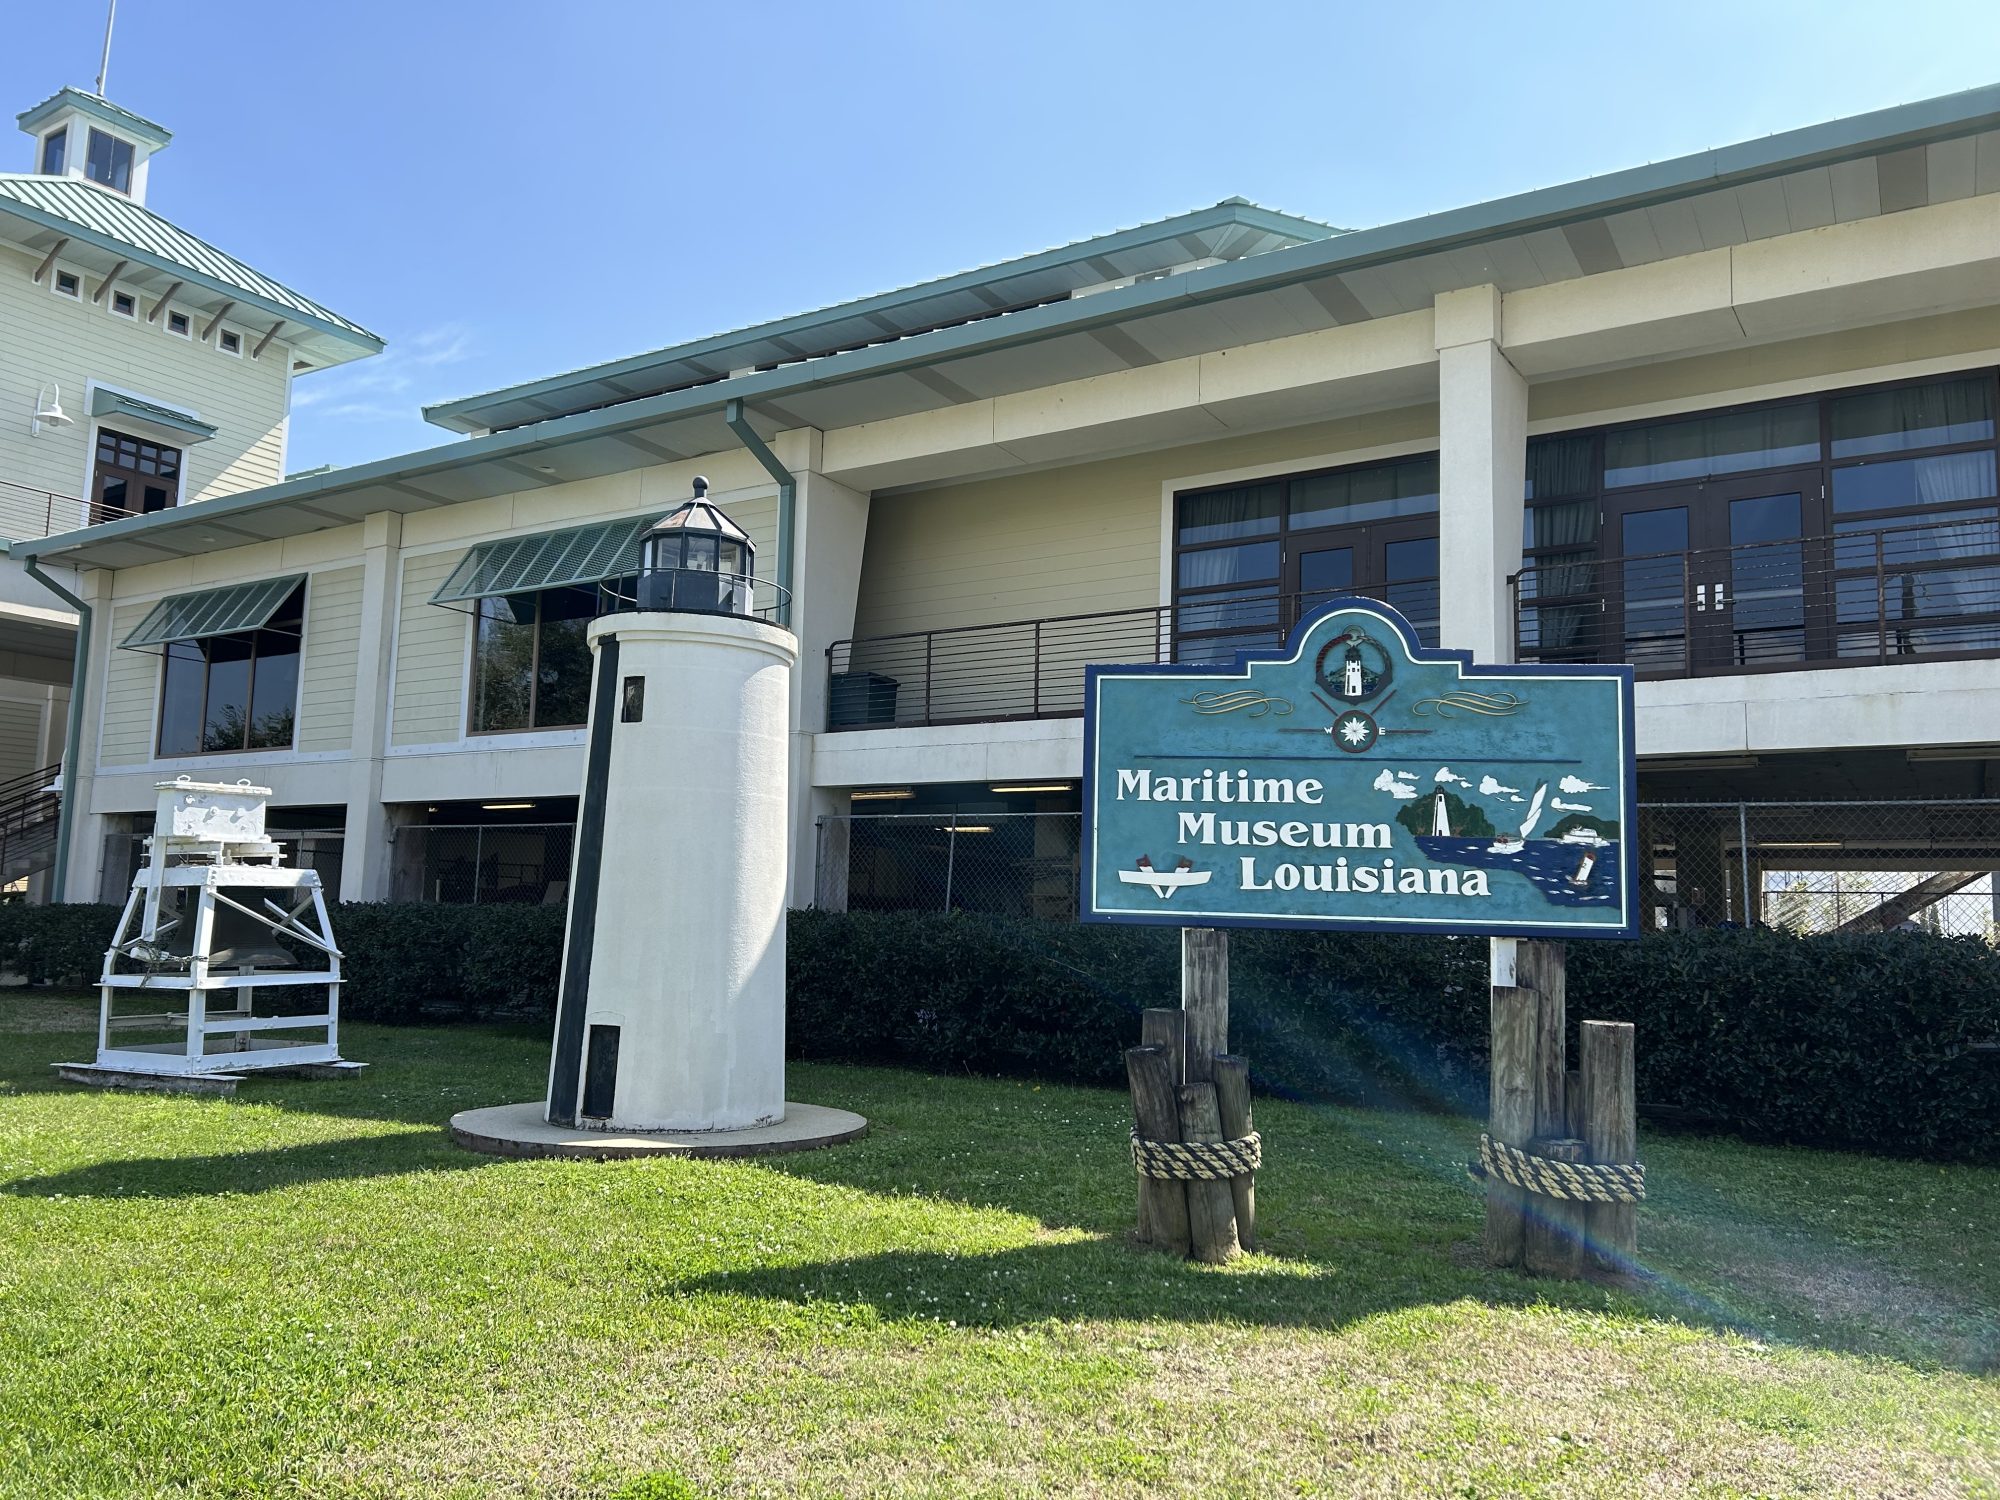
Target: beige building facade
{"points": [[1730, 418]]}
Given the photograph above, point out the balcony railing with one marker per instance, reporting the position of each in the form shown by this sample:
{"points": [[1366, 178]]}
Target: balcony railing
{"points": [[1033, 669], [1853, 599], [27, 513]]}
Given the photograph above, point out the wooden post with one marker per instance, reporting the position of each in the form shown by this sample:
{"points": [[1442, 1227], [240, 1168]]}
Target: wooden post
{"points": [[1511, 1113], [1554, 1242], [1211, 1206], [1162, 1028], [1167, 1028], [1611, 1134], [1156, 1116], [1205, 998], [1538, 966], [1232, 1101]]}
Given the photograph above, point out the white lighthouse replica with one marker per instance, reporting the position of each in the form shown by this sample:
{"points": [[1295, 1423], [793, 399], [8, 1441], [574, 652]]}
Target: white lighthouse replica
{"points": [[670, 1025]]}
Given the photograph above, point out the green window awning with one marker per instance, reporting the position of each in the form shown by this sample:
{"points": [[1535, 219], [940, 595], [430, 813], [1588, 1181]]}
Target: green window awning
{"points": [[210, 612], [547, 560], [159, 421]]}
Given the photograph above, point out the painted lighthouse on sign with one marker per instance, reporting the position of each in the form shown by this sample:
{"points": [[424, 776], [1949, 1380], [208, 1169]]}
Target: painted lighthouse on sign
{"points": [[1357, 780]]}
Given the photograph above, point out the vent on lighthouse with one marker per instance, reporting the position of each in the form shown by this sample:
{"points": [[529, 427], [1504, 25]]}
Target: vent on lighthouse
{"points": [[696, 559]]}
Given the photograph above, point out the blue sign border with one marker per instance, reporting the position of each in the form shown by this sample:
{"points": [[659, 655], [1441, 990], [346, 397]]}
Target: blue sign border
{"points": [[1628, 792]]}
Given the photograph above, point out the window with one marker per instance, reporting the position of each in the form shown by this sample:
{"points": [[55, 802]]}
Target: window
{"points": [[1731, 442], [67, 284], [124, 304], [180, 325], [234, 692], [109, 161], [530, 662], [230, 342], [1249, 559], [132, 477], [55, 151]]}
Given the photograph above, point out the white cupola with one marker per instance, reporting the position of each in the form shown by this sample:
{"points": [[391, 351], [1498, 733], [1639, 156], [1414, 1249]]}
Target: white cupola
{"points": [[82, 135]]}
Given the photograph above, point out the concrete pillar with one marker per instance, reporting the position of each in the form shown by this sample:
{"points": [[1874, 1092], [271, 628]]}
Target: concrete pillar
{"points": [[365, 871], [1482, 462], [82, 881], [829, 532]]}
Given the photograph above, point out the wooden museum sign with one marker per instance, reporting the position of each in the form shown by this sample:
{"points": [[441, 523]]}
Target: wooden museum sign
{"points": [[1356, 781]]}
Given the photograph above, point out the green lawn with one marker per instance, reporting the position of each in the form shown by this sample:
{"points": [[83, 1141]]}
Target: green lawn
{"points": [[308, 1291]]}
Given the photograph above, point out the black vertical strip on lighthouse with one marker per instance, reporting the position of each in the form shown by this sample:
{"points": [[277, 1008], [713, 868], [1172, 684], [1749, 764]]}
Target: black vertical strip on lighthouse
{"points": [[565, 1075]]}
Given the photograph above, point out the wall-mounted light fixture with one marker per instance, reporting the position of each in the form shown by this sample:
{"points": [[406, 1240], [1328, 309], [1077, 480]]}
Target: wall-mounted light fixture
{"points": [[48, 408]]}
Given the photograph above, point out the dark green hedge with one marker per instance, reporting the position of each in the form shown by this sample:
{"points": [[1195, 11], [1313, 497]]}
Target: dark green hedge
{"points": [[1852, 1041], [1848, 1041]]}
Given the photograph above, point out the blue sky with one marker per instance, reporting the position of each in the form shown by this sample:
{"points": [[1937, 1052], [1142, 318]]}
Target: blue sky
{"points": [[507, 189]]}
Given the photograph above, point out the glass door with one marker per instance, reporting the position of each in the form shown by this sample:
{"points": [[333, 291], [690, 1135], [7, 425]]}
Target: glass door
{"points": [[1394, 561], [1650, 588], [1768, 601]]}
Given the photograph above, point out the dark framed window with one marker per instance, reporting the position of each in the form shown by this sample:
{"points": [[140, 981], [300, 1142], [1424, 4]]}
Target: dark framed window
{"points": [[229, 341], [67, 284], [1250, 558], [55, 151], [180, 325], [125, 304], [109, 161], [132, 477], [530, 660], [1859, 524], [231, 693]]}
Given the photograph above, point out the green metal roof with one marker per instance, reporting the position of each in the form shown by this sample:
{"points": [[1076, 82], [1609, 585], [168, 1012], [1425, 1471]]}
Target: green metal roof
{"points": [[77, 208], [212, 612], [118, 118], [105, 403], [684, 423], [1233, 229], [547, 560]]}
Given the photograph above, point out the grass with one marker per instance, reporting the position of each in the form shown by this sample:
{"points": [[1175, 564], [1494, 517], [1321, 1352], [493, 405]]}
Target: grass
{"points": [[308, 1291]]}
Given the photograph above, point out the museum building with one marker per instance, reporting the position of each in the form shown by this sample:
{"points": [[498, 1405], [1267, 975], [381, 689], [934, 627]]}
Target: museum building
{"points": [[1730, 418]]}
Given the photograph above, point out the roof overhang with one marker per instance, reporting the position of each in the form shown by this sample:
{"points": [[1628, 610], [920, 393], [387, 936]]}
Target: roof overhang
{"points": [[137, 127], [1230, 230], [1874, 164], [36, 231], [149, 418]]}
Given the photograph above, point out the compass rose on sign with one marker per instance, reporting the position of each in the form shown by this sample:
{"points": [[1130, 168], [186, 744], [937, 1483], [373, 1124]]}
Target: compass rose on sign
{"points": [[1354, 731]]}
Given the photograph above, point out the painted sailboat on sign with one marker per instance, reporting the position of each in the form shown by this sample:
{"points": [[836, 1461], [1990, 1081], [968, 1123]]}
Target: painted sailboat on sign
{"points": [[1552, 864]]}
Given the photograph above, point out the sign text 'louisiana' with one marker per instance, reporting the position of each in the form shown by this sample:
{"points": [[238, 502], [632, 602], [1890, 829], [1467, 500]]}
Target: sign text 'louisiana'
{"points": [[1356, 780]]}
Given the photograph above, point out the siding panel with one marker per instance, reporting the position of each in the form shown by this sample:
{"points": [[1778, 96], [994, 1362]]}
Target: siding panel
{"points": [[332, 648], [429, 705], [20, 737], [130, 683]]}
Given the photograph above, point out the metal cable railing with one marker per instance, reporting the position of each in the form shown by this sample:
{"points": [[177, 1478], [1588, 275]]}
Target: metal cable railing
{"points": [[1851, 599], [27, 512], [1033, 669]]}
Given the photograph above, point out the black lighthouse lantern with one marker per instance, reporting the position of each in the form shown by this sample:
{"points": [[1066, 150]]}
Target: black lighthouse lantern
{"points": [[698, 559]]}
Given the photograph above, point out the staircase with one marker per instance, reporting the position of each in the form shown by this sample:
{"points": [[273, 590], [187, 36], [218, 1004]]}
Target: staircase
{"points": [[28, 810]]}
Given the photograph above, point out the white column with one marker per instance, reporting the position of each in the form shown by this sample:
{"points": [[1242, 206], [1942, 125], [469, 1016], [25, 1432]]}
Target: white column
{"points": [[830, 529], [365, 862], [1482, 459]]}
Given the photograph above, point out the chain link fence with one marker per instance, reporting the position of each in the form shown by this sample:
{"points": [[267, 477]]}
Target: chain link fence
{"points": [[464, 864], [1807, 867]]}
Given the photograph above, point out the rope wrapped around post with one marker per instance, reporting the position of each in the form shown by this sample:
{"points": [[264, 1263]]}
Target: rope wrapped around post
{"points": [[1580, 1182], [1190, 1161]]}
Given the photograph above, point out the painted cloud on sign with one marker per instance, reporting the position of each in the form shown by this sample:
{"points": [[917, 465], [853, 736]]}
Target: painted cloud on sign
{"points": [[1489, 786], [1402, 791], [1576, 784], [1446, 776], [1561, 806]]}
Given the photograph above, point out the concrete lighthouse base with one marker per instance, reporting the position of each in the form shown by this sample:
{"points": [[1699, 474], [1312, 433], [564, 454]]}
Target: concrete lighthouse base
{"points": [[522, 1130]]}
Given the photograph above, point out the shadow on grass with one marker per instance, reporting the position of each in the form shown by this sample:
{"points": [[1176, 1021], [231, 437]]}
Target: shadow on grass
{"points": [[263, 1171], [1110, 1278]]}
